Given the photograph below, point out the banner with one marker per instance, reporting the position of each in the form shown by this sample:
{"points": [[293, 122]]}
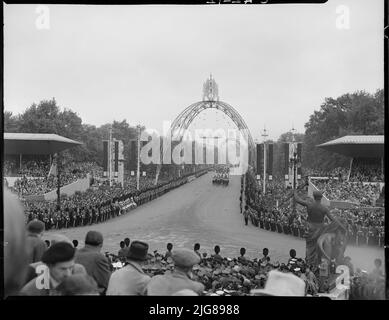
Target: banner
{"points": [[132, 154], [53, 168], [105, 157], [260, 159], [269, 156], [286, 158], [299, 158], [116, 157]]}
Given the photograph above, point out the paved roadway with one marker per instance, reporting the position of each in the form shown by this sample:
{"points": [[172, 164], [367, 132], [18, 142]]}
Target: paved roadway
{"points": [[201, 212]]}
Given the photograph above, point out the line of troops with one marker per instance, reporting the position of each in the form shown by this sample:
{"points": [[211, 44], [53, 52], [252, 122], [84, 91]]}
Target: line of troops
{"points": [[357, 235], [88, 215]]}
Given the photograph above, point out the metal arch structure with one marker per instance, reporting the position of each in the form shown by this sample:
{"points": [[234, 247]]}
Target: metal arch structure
{"points": [[186, 117], [210, 101]]}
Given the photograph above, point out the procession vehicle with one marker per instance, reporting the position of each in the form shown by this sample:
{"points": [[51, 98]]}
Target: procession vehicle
{"points": [[221, 179], [216, 179], [225, 180]]}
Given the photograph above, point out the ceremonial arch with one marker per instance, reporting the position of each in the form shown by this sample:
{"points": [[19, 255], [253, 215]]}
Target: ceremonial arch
{"points": [[210, 101]]}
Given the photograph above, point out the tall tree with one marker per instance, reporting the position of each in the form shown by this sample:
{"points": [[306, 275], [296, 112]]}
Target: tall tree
{"points": [[359, 113], [11, 122]]}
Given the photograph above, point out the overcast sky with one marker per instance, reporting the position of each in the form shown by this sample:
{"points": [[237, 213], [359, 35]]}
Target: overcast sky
{"points": [[274, 64]]}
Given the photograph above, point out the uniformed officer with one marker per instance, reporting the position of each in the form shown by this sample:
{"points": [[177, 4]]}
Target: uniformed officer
{"points": [[180, 278]]}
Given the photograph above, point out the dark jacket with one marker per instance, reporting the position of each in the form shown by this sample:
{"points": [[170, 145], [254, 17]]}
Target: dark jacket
{"points": [[96, 265], [35, 248]]}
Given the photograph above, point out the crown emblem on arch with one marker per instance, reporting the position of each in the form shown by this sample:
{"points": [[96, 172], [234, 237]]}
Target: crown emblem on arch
{"points": [[210, 90]]}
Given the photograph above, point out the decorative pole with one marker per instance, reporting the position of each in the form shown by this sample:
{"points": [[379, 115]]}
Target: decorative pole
{"points": [[264, 135]]}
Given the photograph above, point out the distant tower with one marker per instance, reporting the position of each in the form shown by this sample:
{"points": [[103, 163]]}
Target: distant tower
{"points": [[210, 90]]}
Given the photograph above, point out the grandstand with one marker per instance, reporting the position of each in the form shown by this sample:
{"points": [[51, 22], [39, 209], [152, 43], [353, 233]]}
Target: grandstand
{"points": [[40, 148], [364, 182]]}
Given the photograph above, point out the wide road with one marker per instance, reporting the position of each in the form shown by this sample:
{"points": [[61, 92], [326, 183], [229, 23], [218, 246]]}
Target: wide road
{"points": [[209, 214]]}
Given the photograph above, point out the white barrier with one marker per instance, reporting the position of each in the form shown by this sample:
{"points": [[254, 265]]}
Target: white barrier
{"points": [[70, 189]]}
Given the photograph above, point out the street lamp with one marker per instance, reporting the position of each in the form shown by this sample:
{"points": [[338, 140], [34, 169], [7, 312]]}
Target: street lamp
{"points": [[293, 164]]}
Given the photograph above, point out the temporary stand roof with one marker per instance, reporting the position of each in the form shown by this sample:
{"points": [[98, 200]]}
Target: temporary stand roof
{"points": [[357, 146], [36, 143]]}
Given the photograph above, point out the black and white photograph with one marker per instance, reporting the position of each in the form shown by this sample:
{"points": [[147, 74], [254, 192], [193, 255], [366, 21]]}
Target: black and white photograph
{"points": [[229, 148]]}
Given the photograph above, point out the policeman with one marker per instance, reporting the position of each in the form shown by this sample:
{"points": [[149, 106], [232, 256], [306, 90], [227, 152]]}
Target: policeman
{"points": [[246, 214]]}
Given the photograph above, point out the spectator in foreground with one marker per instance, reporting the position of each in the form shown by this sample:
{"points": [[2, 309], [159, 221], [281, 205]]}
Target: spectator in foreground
{"points": [[95, 263], [179, 279], [242, 258], [59, 259], [35, 245], [377, 274], [122, 252], [33, 269], [78, 285], [265, 258], [196, 249], [217, 257], [15, 254], [127, 246], [169, 248], [131, 279]]}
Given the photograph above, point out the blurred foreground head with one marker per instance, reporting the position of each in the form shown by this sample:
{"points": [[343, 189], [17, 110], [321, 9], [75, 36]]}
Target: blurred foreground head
{"points": [[282, 284], [77, 285], [15, 255]]}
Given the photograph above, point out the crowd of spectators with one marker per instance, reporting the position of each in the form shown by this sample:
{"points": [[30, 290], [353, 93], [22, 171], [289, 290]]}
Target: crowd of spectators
{"points": [[137, 271], [356, 192], [37, 181], [29, 168], [366, 170], [365, 224]]}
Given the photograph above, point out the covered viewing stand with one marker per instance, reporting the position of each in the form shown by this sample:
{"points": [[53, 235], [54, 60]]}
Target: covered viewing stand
{"points": [[37, 144], [369, 146]]}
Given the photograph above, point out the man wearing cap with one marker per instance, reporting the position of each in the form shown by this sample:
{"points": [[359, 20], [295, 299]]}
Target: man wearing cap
{"points": [[95, 263], [59, 264], [33, 268], [131, 279], [316, 214], [179, 279], [35, 245]]}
